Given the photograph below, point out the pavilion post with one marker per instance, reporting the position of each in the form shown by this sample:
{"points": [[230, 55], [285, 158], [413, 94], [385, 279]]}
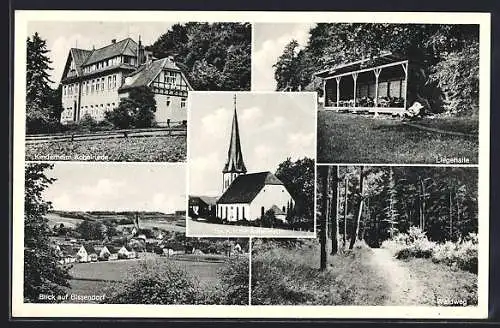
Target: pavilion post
{"points": [[355, 78], [323, 86], [377, 74], [338, 89], [405, 68]]}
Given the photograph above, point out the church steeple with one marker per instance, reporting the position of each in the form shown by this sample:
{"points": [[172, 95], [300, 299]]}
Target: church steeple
{"points": [[234, 165]]}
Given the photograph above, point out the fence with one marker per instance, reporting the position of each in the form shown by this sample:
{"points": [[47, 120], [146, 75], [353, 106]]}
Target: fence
{"points": [[112, 134]]}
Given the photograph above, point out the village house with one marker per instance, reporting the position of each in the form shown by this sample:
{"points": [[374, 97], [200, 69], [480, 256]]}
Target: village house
{"points": [[202, 206], [94, 81], [66, 253], [249, 196], [126, 252], [86, 253]]}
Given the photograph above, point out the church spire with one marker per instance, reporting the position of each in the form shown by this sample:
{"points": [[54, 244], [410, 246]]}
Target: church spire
{"points": [[234, 163]]}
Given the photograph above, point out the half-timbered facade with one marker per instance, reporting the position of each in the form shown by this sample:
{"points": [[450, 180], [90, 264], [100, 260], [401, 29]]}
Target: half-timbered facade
{"points": [[376, 85], [95, 80]]}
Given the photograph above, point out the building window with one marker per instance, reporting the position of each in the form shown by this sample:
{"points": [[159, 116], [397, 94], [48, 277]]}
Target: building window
{"points": [[114, 81], [183, 102], [283, 208], [262, 211], [237, 213], [102, 84], [243, 213], [109, 82], [168, 101]]}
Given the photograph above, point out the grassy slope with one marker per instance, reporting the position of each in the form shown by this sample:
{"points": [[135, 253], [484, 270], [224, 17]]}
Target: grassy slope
{"points": [[443, 282], [291, 276], [150, 149], [351, 138]]}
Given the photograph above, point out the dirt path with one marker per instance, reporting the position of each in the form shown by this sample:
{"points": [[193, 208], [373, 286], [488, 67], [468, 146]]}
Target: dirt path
{"points": [[405, 289]]}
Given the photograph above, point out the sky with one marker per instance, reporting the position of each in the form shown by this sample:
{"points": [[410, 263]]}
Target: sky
{"points": [[273, 126], [61, 36], [270, 40], [117, 187]]}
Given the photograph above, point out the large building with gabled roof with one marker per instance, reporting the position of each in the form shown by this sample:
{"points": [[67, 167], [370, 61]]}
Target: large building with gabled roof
{"points": [[249, 196], [94, 81]]}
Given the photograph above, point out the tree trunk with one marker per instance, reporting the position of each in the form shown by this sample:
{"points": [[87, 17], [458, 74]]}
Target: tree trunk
{"points": [[334, 221], [356, 227], [344, 237], [324, 173], [451, 219]]}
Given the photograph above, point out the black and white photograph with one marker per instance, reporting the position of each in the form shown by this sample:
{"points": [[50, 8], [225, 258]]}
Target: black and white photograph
{"points": [[388, 235], [252, 159], [250, 165], [117, 91], [388, 93], [115, 234]]}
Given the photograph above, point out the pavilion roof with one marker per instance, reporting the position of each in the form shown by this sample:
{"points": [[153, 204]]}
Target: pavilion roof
{"points": [[383, 59]]}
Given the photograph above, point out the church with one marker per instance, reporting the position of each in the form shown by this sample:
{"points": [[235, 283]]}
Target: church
{"points": [[247, 196], [94, 81]]}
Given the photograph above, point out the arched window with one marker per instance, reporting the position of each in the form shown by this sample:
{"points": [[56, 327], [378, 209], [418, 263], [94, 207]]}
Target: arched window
{"points": [[226, 212], [243, 212], [262, 211], [237, 213]]}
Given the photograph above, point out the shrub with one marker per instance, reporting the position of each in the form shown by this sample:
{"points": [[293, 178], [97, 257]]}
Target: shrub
{"points": [[233, 289], [462, 255], [157, 282]]}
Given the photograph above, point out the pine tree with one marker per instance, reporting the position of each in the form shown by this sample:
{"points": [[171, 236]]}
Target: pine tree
{"points": [[43, 275], [38, 107]]}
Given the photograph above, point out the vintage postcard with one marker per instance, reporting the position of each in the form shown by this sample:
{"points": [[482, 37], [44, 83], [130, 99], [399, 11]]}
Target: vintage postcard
{"points": [[251, 165]]}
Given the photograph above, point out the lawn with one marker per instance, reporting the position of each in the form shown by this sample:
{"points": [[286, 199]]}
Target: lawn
{"points": [[290, 276], [204, 229], [352, 138], [146, 149], [95, 278]]}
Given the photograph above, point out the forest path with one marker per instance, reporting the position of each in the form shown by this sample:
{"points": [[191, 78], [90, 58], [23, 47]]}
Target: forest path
{"points": [[405, 288]]}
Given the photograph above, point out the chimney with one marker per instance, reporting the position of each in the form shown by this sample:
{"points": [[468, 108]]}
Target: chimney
{"points": [[140, 53], [113, 41]]}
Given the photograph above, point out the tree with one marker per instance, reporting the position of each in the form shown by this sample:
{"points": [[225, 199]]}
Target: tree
{"points": [[334, 210], [324, 177], [268, 220], [91, 230], [214, 56], [43, 275], [355, 236], [135, 111], [43, 104], [298, 178]]}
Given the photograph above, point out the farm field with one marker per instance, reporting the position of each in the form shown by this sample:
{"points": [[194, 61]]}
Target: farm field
{"points": [[177, 226], [203, 229], [146, 149], [95, 278], [56, 219], [351, 138], [149, 221]]}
